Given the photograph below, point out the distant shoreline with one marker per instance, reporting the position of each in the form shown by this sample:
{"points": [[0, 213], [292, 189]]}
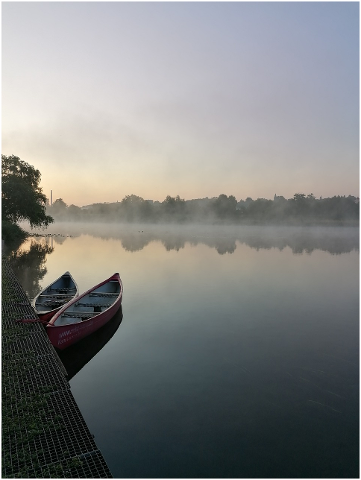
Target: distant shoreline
{"points": [[300, 210]]}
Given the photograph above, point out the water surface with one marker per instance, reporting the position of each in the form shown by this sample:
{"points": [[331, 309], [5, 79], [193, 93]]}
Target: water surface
{"points": [[236, 354]]}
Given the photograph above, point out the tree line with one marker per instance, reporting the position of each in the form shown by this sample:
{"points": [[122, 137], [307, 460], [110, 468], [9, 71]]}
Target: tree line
{"points": [[300, 209], [23, 199]]}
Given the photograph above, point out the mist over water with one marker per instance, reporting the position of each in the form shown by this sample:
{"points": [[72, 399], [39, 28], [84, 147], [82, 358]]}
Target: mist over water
{"points": [[237, 354], [224, 238]]}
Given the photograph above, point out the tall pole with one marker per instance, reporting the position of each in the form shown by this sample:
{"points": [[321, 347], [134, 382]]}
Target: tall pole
{"points": [[51, 197]]}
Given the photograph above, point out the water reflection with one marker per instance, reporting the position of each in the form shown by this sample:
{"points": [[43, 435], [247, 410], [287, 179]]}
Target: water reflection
{"points": [[233, 364], [335, 240], [76, 356], [28, 263], [59, 239]]}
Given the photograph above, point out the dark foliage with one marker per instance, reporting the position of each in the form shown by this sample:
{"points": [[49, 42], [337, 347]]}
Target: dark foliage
{"points": [[22, 197]]}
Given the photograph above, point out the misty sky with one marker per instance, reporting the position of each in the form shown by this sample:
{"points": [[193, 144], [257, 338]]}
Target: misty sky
{"points": [[189, 99]]}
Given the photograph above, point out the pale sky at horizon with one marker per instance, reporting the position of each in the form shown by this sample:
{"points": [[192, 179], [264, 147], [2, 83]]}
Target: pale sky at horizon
{"points": [[191, 99]]}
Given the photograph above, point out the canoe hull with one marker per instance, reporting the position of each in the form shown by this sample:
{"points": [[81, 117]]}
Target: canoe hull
{"points": [[65, 335], [44, 313], [62, 336]]}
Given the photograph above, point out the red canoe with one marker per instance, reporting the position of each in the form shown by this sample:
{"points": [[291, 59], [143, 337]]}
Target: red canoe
{"points": [[85, 314], [55, 296]]}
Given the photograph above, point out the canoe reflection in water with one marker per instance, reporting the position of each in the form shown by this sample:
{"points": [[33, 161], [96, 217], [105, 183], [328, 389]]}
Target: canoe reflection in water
{"points": [[79, 354]]}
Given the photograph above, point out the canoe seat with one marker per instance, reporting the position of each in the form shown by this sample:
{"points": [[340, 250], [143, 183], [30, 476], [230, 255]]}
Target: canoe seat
{"points": [[55, 295], [72, 289], [104, 305], [79, 314], [103, 294], [54, 303]]}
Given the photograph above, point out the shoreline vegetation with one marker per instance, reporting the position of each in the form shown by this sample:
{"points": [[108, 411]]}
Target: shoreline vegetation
{"points": [[24, 200], [300, 210]]}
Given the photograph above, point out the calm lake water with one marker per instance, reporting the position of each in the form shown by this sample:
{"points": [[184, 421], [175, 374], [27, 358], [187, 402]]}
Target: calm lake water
{"points": [[236, 354]]}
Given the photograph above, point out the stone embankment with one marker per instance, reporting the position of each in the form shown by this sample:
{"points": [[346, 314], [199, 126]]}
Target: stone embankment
{"points": [[43, 432]]}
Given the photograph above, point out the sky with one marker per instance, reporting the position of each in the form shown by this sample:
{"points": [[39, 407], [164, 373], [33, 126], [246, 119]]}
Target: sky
{"points": [[250, 99]]}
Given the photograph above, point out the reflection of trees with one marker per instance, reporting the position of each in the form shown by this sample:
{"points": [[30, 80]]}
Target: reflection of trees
{"points": [[226, 247], [173, 243], [59, 239], [300, 239], [134, 242], [29, 266], [333, 240]]}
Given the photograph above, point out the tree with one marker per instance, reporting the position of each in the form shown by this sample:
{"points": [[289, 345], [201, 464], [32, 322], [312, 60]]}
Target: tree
{"points": [[74, 212], [59, 205], [225, 206], [260, 209], [22, 198], [174, 208], [173, 204], [131, 207], [299, 197], [59, 209]]}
